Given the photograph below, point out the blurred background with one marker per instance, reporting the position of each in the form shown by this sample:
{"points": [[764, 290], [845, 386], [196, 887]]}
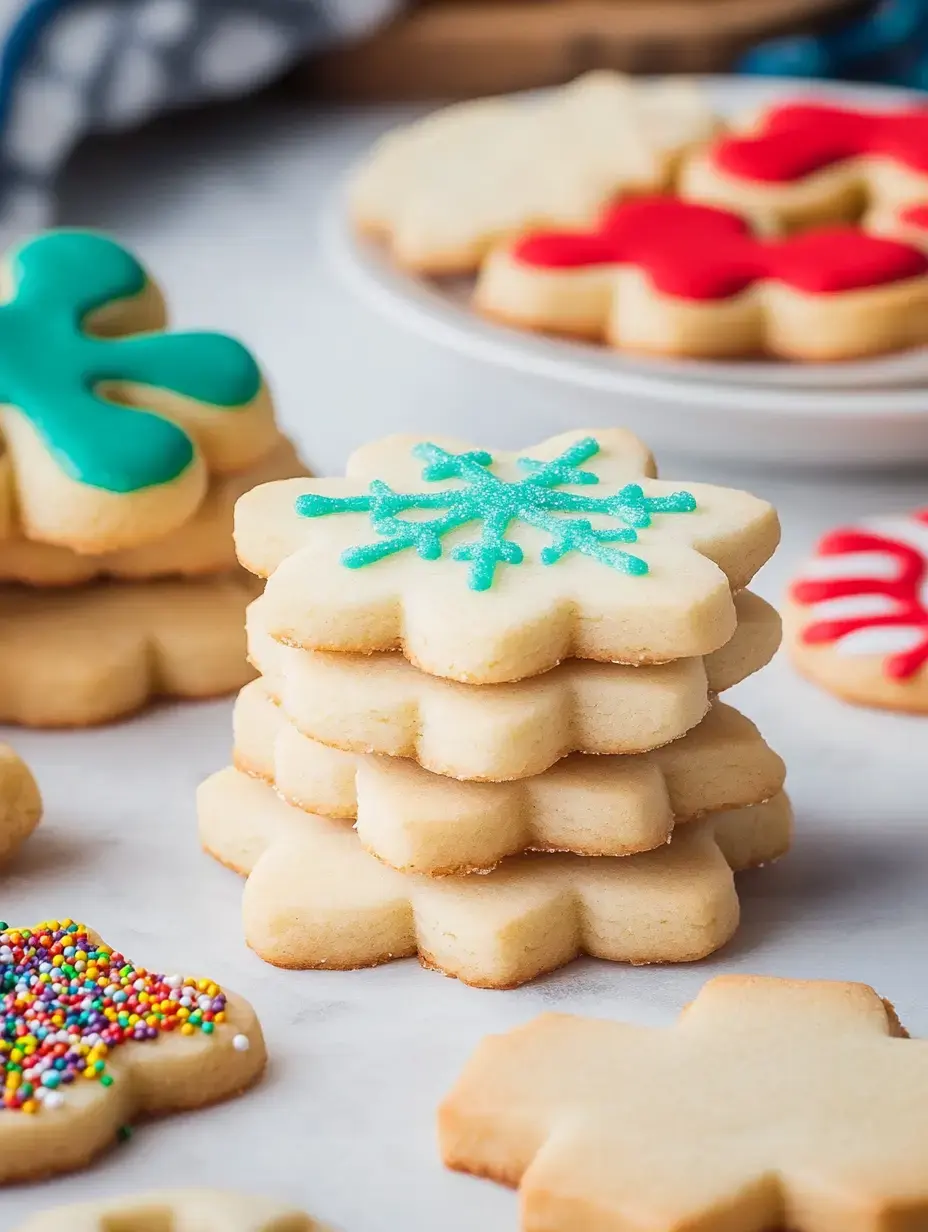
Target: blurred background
{"points": [[71, 68], [214, 137]]}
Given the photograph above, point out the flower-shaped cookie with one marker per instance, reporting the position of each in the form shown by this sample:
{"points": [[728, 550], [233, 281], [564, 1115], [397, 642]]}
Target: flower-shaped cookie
{"points": [[418, 822], [802, 163], [669, 276], [445, 189], [111, 424], [489, 568], [315, 898], [202, 1210], [136, 1044], [771, 1103], [82, 655], [857, 617], [20, 803], [382, 704]]}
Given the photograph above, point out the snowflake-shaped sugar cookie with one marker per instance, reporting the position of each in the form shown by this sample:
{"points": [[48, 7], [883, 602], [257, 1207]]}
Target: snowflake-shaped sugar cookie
{"points": [[112, 423], [445, 189], [492, 567], [382, 704], [771, 1103], [419, 822], [316, 899], [90, 1041], [180, 1210]]}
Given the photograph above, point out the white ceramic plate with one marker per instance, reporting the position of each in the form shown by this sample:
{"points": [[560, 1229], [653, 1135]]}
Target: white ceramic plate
{"points": [[862, 412]]}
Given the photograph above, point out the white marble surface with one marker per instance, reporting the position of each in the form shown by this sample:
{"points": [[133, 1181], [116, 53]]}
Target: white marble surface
{"points": [[224, 207]]}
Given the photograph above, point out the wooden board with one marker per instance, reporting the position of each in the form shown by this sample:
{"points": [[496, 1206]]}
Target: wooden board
{"points": [[464, 48]]}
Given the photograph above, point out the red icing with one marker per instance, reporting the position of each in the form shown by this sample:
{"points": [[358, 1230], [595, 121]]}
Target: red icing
{"points": [[915, 215], [905, 589], [798, 138], [700, 252]]}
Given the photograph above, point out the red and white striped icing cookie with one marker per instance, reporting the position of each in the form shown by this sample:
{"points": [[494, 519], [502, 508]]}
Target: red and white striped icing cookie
{"points": [[857, 618]]}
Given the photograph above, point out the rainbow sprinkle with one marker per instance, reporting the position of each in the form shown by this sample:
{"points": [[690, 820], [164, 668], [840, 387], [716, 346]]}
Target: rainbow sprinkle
{"points": [[66, 1000]]}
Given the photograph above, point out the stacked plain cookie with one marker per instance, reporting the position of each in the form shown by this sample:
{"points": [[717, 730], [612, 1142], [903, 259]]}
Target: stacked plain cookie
{"points": [[126, 447], [486, 729]]}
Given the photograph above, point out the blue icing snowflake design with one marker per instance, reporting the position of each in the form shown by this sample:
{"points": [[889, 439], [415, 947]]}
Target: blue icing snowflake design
{"points": [[497, 503]]}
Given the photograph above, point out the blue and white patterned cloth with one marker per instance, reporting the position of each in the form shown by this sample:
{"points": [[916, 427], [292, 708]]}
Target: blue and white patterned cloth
{"points": [[69, 67], [888, 43]]}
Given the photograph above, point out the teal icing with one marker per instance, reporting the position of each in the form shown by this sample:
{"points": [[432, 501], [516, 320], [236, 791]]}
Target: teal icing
{"points": [[51, 370], [497, 503]]}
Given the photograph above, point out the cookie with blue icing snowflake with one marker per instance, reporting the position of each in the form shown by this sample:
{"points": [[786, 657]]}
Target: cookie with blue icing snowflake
{"points": [[491, 567]]}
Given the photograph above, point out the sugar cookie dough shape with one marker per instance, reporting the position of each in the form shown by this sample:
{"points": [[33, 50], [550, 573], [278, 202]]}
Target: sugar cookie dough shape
{"points": [[200, 1060], [315, 899], [78, 656], [802, 163], [382, 704], [181, 1210], [661, 275], [443, 190], [771, 1103], [533, 568], [20, 803], [201, 546], [857, 614], [417, 822], [111, 424]]}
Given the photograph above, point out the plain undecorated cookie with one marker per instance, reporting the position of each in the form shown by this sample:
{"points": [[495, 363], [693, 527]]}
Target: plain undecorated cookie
{"points": [[180, 1210], [651, 581], [315, 899], [441, 191], [201, 1045], [75, 657], [857, 613], [418, 822], [20, 803], [771, 1103], [112, 425], [382, 704]]}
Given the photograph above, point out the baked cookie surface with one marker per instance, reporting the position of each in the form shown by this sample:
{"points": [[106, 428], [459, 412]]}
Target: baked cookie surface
{"points": [[856, 619], [138, 1044], [770, 1103]]}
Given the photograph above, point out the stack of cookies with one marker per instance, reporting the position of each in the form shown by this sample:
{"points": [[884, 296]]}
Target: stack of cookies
{"points": [[486, 729], [126, 449]]}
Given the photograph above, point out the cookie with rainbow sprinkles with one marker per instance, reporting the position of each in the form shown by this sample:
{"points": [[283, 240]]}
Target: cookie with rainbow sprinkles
{"points": [[91, 1042]]}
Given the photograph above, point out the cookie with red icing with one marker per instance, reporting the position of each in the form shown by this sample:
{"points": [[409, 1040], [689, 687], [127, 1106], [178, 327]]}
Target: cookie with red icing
{"points": [[658, 274], [901, 222], [803, 163], [857, 616]]}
